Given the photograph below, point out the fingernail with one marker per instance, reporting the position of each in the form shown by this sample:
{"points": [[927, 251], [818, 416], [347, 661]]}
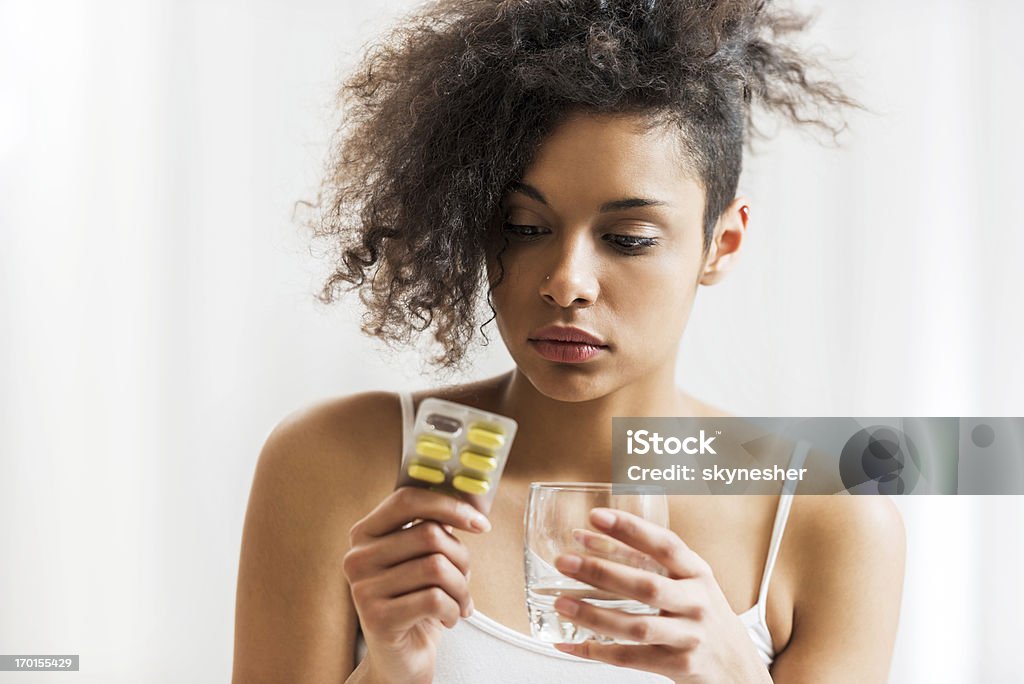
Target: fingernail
{"points": [[479, 523], [471, 607], [602, 518], [568, 562], [600, 544], [566, 606]]}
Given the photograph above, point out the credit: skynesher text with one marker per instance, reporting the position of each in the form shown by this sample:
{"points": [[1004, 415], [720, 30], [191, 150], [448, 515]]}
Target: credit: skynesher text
{"points": [[715, 474]]}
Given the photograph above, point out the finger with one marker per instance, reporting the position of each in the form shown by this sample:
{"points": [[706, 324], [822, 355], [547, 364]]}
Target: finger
{"points": [[422, 539], [405, 611], [434, 570], [660, 543], [659, 659], [603, 546], [621, 580], [642, 629], [406, 504]]}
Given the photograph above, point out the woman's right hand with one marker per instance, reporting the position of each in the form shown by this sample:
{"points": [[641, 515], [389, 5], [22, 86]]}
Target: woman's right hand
{"points": [[408, 582]]}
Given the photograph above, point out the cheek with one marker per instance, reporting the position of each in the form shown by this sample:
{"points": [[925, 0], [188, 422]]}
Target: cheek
{"points": [[494, 245], [514, 276], [507, 297], [491, 264], [659, 298]]}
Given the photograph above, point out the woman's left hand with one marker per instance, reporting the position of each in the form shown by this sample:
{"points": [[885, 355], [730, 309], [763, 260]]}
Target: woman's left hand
{"points": [[696, 637]]}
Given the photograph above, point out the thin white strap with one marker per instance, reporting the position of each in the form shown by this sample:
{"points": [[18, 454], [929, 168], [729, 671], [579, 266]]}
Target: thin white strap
{"points": [[781, 516], [407, 421]]}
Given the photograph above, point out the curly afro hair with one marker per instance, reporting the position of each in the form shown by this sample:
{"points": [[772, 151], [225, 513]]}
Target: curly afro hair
{"points": [[445, 112]]}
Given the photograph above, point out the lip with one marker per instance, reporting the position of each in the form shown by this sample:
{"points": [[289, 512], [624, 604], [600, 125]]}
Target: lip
{"points": [[566, 344], [560, 333]]}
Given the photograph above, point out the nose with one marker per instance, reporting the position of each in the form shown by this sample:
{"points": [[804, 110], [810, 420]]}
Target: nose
{"points": [[572, 280]]}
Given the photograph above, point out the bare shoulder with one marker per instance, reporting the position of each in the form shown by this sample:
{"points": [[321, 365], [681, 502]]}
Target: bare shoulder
{"points": [[339, 437], [321, 469], [848, 567], [844, 541], [340, 454], [848, 526]]}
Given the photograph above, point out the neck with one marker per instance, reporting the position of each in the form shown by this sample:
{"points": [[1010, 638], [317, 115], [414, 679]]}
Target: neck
{"points": [[572, 441]]}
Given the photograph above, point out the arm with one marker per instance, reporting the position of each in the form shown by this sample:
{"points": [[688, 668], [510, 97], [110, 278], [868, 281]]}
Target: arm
{"points": [[295, 620], [846, 610]]}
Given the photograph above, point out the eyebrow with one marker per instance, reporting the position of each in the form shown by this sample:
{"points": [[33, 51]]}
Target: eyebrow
{"points": [[614, 205]]}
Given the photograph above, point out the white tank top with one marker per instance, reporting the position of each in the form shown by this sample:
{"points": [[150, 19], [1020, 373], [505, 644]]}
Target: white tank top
{"points": [[479, 649]]}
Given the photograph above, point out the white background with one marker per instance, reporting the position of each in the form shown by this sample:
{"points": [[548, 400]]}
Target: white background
{"points": [[157, 318]]}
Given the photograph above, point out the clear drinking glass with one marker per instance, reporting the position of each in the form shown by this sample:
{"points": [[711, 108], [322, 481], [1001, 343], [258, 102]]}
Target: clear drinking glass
{"points": [[557, 522]]}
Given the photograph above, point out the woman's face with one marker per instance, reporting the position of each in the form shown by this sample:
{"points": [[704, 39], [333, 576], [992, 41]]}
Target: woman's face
{"points": [[605, 235]]}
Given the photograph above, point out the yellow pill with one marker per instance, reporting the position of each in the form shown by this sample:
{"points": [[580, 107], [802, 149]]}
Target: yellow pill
{"points": [[470, 485], [435, 450], [485, 437], [476, 461], [426, 473]]}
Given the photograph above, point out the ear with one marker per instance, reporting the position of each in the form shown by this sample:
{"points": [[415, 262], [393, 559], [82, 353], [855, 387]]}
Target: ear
{"points": [[725, 245]]}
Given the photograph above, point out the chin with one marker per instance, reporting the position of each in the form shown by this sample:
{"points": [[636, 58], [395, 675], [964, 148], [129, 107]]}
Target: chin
{"points": [[567, 382]]}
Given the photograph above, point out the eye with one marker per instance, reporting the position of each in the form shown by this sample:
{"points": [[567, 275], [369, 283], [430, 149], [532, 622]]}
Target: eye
{"points": [[632, 245], [523, 232]]}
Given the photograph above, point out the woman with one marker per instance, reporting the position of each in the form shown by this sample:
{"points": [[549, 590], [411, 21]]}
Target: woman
{"points": [[583, 157]]}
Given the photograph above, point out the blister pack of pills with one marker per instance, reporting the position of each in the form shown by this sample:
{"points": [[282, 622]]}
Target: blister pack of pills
{"points": [[457, 450]]}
